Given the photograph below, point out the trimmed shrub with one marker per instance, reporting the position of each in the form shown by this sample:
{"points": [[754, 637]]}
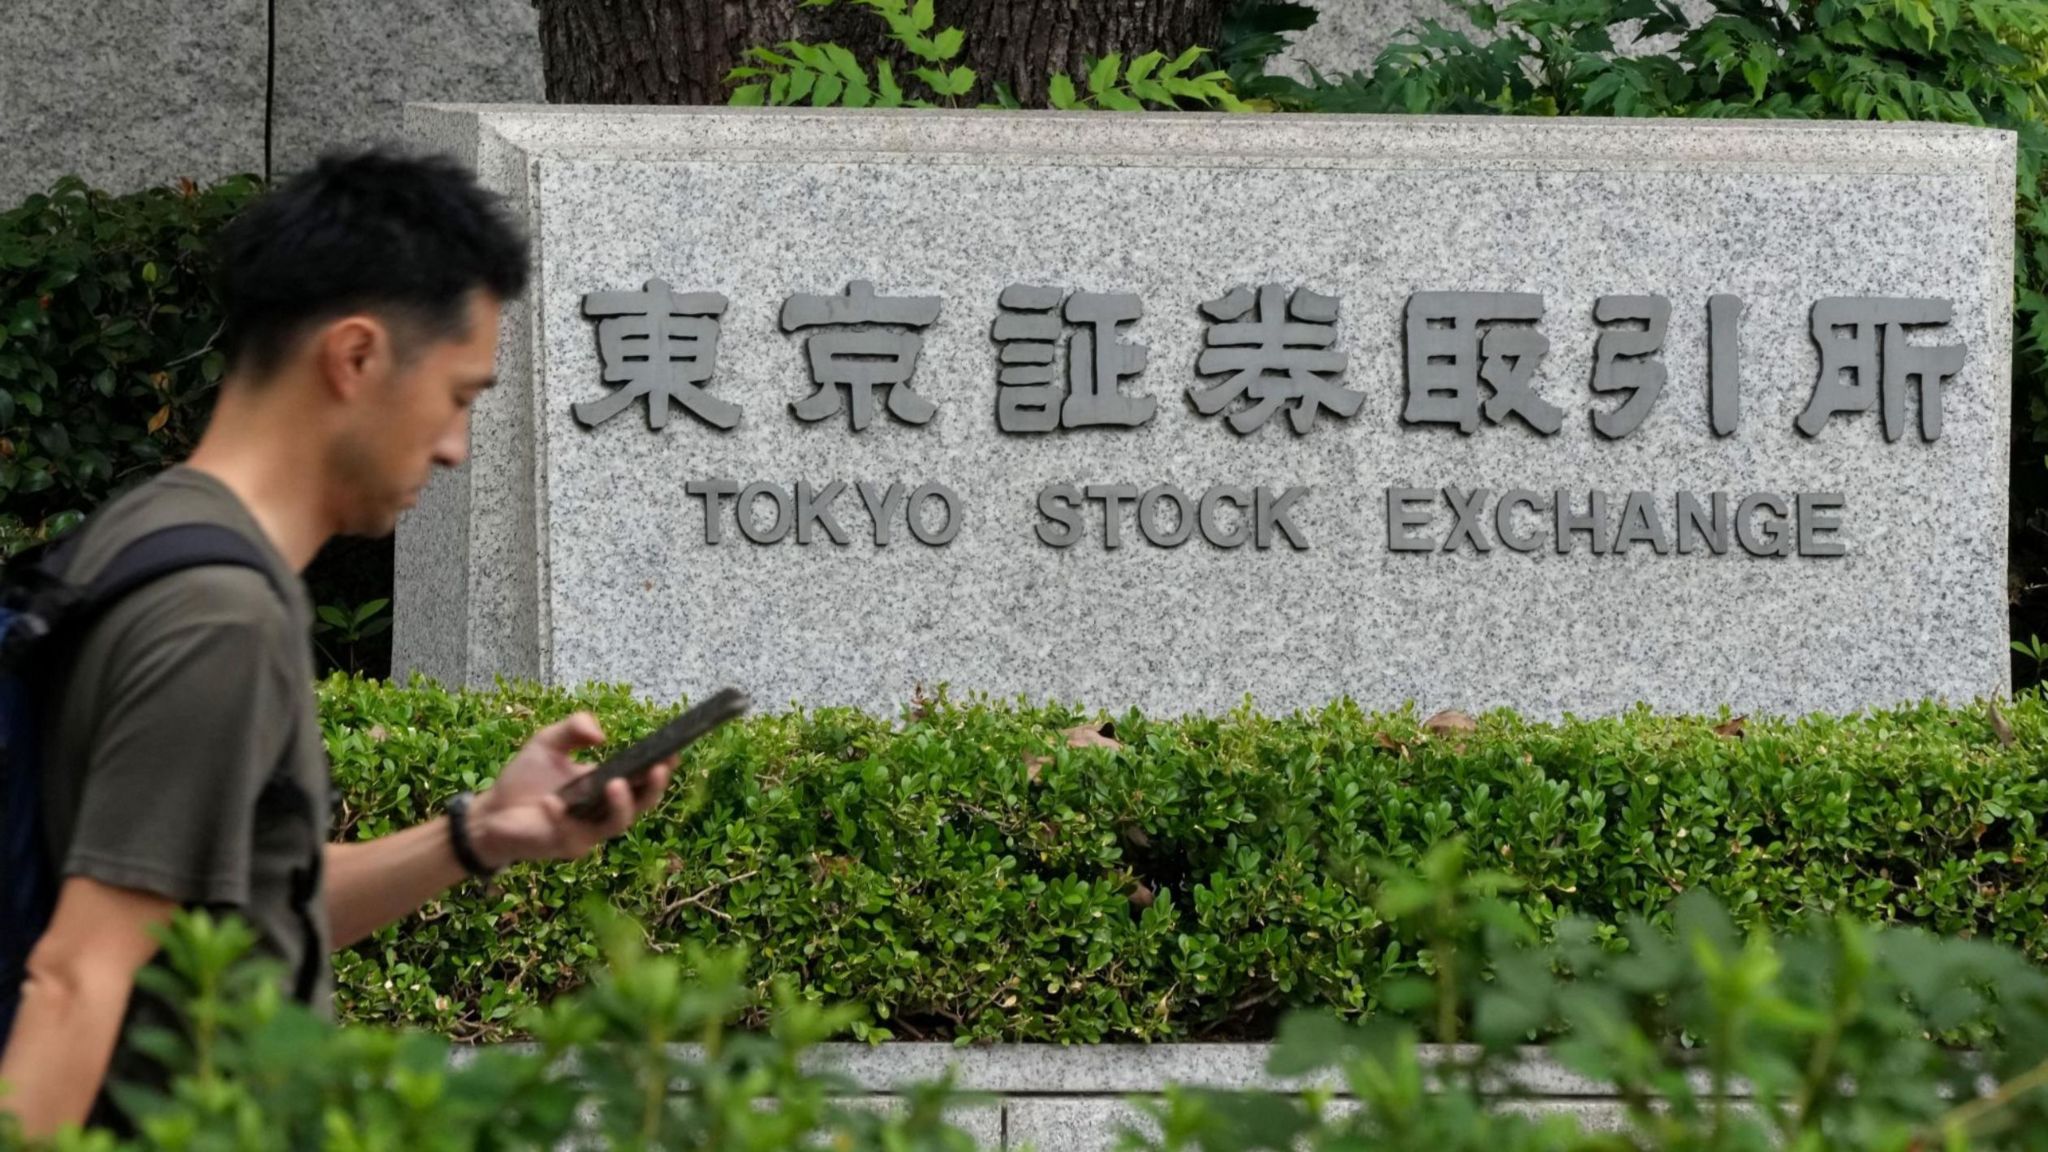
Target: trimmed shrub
{"points": [[965, 871]]}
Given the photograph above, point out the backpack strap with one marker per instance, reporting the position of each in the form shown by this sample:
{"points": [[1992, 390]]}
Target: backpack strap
{"points": [[56, 604], [168, 550]]}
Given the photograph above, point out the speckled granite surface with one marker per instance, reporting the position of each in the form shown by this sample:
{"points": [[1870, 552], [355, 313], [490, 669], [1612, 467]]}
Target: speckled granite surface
{"points": [[583, 551]]}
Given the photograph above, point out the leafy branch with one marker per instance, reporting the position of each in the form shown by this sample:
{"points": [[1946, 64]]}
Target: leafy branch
{"points": [[828, 75]]}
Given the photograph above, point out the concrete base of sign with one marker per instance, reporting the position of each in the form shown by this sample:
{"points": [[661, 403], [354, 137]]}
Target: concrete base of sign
{"points": [[1696, 551], [1050, 1098]]}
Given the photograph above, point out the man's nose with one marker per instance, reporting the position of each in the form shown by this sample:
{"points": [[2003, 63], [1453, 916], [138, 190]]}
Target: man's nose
{"points": [[453, 446]]}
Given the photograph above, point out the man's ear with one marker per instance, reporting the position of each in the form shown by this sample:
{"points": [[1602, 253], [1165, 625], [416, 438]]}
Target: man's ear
{"points": [[352, 353]]}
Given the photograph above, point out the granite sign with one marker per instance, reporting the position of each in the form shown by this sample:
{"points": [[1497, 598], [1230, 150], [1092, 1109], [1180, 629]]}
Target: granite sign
{"points": [[1166, 411]]}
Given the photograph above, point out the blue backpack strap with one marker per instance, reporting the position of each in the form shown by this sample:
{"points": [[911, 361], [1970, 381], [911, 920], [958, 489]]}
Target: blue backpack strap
{"points": [[54, 612]]}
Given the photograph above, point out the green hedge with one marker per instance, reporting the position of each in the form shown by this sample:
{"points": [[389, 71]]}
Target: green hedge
{"points": [[108, 324], [960, 871]]}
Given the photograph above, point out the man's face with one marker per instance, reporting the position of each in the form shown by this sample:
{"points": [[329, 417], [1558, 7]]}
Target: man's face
{"points": [[415, 418]]}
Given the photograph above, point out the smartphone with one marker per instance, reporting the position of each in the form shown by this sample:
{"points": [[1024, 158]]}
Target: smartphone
{"points": [[585, 794]]}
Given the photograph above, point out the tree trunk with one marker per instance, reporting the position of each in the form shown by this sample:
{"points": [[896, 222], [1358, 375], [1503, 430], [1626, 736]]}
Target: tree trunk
{"points": [[679, 51]]}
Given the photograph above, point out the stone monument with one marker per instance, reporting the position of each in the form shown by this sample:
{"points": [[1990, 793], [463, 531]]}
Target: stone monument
{"points": [[1166, 410]]}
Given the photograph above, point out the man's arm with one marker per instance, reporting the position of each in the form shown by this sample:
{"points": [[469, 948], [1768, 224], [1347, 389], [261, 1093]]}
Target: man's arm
{"points": [[80, 975], [180, 741], [377, 882]]}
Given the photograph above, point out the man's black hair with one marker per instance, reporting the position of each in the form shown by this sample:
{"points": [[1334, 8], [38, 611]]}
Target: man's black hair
{"points": [[408, 238]]}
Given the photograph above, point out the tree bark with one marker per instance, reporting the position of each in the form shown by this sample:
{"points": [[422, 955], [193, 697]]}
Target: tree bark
{"points": [[679, 51]]}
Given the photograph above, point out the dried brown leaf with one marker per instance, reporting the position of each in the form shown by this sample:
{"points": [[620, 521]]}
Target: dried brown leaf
{"points": [[2001, 726], [1733, 729], [1141, 894], [1092, 736], [1448, 721], [1081, 736], [162, 417]]}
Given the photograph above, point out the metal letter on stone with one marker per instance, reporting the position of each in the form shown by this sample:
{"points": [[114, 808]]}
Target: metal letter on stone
{"points": [[1274, 363], [1638, 375], [1449, 353], [863, 359], [1028, 331], [1855, 334], [659, 345]]}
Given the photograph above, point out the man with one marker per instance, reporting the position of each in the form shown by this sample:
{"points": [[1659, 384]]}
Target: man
{"points": [[185, 765]]}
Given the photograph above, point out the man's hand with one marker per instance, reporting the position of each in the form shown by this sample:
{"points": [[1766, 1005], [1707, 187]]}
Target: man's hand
{"points": [[522, 818]]}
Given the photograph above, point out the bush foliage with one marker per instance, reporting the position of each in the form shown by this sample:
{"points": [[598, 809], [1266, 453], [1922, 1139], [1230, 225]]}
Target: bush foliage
{"points": [[1832, 1035], [108, 318], [642, 1060], [1828, 1036], [968, 871]]}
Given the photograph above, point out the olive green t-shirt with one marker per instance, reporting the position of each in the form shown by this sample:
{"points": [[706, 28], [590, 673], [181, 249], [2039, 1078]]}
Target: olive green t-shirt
{"points": [[185, 756]]}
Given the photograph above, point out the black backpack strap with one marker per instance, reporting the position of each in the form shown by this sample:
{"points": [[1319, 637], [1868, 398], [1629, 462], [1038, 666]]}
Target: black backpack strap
{"points": [[168, 550], [52, 606]]}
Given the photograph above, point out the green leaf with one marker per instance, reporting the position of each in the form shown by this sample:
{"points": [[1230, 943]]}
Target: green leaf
{"points": [[1061, 92], [885, 84], [1181, 63], [1120, 101], [950, 42], [962, 81], [1152, 91], [810, 56], [750, 96], [801, 82], [149, 273], [827, 92], [1143, 66], [1103, 74], [844, 63], [921, 15]]}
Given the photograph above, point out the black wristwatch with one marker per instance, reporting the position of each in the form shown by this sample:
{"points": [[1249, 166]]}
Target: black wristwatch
{"points": [[458, 837]]}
